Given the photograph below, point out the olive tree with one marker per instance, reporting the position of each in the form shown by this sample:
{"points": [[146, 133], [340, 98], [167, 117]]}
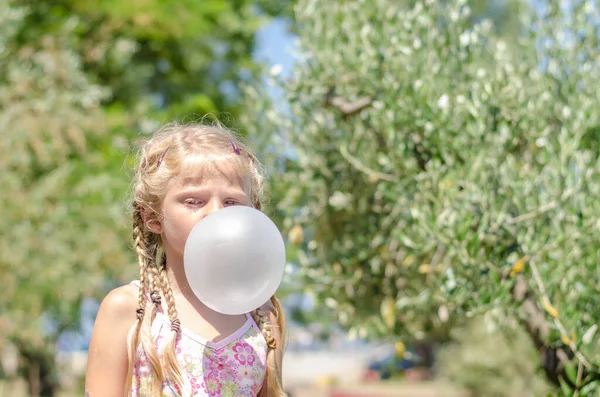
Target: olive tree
{"points": [[438, 172]]}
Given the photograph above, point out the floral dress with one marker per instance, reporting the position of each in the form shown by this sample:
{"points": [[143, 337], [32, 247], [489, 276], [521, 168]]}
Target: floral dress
{"points": [[234, 366]]}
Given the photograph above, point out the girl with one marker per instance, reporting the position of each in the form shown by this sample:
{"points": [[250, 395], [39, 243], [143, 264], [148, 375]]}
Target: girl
{"points": [[153, 337]]}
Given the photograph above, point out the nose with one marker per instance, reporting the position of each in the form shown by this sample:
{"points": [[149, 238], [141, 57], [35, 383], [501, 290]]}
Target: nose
{"points": [[213, 206]]}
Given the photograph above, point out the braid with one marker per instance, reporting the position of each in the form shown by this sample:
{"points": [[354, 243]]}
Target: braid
{"points": [[153, 283], [172, 368], [271, 386], [168, 292], [151, 269], [142, 252], [263, 323], [148, 344], [145, 246]]}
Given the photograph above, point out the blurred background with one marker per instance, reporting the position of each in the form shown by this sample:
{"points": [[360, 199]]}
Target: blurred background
{"points": [[433, 165]]}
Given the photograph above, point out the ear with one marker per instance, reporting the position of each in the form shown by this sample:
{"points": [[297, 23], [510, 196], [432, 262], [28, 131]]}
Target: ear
{"points": [[151, 221]]}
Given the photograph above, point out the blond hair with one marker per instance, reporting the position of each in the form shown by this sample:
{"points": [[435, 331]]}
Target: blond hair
{"points": [[160, 159]]}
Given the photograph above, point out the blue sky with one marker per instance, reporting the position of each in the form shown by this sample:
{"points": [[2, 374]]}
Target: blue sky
{"points": [[275, 45]]}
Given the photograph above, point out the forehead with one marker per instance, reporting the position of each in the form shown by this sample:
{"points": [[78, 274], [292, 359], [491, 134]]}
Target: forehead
{"points": [[196, 171]]}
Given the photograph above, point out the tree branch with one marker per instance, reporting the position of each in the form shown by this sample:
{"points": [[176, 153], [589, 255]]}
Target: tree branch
{"points": [[346, 107], [544, 208], [538, 211], [557, 322], [553, 359], [371, 173]]}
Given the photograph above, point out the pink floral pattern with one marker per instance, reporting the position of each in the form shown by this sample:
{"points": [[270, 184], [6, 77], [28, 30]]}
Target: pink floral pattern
{"points": [[232, 367], [243, 353]]}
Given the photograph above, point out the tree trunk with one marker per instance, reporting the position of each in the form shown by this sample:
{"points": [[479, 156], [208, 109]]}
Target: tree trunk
{"points": [[33, 379], [38, 366]]}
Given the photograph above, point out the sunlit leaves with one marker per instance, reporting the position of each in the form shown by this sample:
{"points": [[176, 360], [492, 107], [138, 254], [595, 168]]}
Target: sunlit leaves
{"points": [[62, 211], [472, 165]]}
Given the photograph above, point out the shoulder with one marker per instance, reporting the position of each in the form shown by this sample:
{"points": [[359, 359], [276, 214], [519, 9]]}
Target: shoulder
{"points": [[115, 318], [120, 302], [117, 310], [107, 354]]}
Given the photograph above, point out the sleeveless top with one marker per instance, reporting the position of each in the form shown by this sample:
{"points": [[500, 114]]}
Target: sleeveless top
{"points": [[231, 367]]}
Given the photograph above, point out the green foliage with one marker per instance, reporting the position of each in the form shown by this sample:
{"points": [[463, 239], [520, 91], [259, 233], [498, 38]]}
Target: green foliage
{"points": [[483, 361], [79, 82], [59, 198], [62, 213], [440, 173], [186, 58]]}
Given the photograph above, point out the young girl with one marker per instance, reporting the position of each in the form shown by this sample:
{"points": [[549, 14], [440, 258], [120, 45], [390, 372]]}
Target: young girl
{"points": [[153, 337]]}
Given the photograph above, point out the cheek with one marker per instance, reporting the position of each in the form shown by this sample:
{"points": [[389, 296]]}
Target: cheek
{"points": [[177, 225]]}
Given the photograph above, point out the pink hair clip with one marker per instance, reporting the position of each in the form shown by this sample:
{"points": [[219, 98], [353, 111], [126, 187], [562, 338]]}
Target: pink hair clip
{"points": [[162, 156], [236, 149]]}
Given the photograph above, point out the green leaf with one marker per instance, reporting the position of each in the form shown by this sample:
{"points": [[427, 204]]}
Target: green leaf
{"points": [[571, 371]]}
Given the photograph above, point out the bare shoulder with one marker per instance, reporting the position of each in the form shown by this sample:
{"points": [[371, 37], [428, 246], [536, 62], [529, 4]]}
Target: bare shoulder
{"points": [[121, 302], [107, 354], [116, 314]]}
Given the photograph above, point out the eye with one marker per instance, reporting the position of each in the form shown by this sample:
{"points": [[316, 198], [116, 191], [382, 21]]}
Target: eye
{"points": [[192, 202], [231, 202]]}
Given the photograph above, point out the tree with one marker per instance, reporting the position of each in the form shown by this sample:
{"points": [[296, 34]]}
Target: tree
{"points": [[438, 173], [61, 209], [183, 58]]}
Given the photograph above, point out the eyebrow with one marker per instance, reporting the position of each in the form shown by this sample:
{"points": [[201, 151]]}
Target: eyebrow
{"points": [[196, 181], [197, 188]]}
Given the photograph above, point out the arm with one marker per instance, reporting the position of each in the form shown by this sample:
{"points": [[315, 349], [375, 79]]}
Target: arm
{"points": [[107, 355]]}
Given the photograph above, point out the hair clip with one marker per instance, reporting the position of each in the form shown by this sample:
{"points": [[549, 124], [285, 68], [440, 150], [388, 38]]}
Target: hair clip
{"points": [[236, 149], [176, 325], [140, 313], [155, 297], [162, 156]]}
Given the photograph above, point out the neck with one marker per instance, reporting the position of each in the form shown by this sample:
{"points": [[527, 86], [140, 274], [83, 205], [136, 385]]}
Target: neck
{"points": [[176, 275], [178, 280]]}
